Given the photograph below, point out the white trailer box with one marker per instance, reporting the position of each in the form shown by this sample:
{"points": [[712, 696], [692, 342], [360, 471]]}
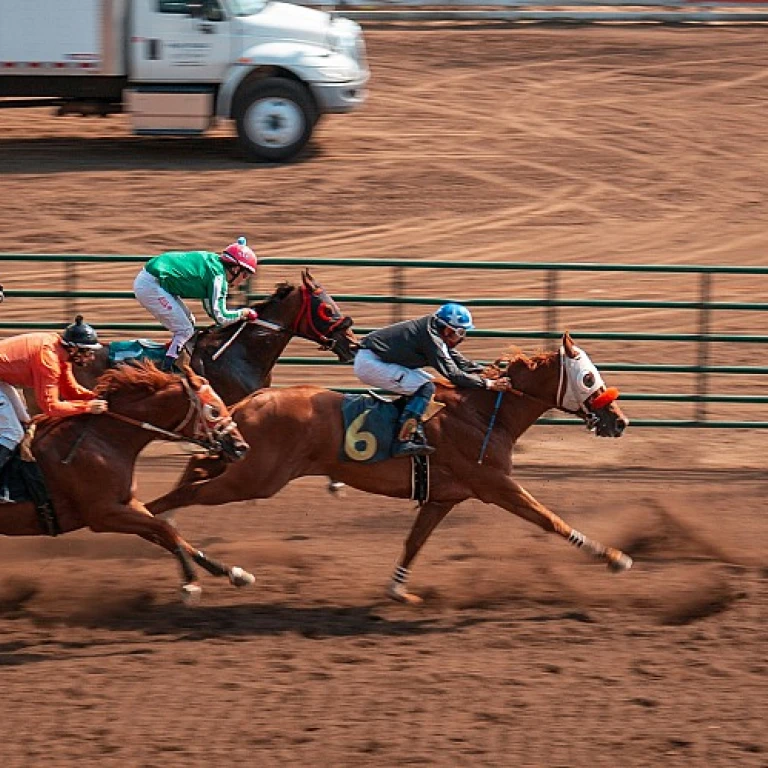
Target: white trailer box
{"points": [[51, 36]]}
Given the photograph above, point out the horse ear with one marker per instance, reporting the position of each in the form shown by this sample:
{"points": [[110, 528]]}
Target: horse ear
{"points": [[568, 345], [307, 278], [194, 380]]}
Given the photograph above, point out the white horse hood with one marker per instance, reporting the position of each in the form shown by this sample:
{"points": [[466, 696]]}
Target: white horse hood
{"points": [[579, 380]]}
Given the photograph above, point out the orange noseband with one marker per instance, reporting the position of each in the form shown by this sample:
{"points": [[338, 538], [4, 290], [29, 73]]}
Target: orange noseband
{"points": [[604, 398]]}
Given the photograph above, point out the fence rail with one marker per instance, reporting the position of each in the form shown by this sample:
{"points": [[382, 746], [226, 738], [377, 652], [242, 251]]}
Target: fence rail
{"points": [[699, 280], [658, 11]]}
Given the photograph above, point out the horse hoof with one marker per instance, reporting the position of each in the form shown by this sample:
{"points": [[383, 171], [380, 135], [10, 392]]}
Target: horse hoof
{"points": [[240, 578], [400, 594], [190, 594], [621, 563], [336, 488]]}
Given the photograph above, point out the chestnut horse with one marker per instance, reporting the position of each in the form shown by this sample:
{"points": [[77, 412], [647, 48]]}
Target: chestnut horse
{"points": [[88, 461], [238, 359], [298, 431]]}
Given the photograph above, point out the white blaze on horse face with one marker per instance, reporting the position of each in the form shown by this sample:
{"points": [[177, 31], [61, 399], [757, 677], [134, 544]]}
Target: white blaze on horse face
{"points": [[582, 379]]}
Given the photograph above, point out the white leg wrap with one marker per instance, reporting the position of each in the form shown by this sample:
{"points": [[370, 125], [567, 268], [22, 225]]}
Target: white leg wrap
{"points": [[582, 542], [400, 576]]}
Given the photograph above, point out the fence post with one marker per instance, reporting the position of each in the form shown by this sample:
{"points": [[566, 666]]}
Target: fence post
{"points": [[398, 290], [551, 315], [702, 379], [70, 277]]}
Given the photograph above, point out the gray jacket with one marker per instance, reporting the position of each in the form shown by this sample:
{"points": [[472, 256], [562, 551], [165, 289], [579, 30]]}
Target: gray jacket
{"points": [[417, 343]]}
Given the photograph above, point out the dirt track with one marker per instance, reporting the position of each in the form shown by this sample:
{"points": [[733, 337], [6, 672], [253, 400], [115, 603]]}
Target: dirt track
{"points": [[633, 144]]}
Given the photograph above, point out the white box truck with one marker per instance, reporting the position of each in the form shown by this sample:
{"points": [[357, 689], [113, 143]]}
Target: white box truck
{"points": [[177, 65]]}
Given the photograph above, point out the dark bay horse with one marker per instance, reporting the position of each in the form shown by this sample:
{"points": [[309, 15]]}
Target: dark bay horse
{"points": [[238, 360], [88, 461], [298, 431]]}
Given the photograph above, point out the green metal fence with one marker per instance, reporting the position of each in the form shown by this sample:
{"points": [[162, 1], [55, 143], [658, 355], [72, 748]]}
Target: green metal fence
{"points": [[718, 359]]}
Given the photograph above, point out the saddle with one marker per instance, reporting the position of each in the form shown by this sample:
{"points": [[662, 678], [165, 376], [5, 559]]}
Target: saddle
{"points": [[370, 423], [21, 480]]}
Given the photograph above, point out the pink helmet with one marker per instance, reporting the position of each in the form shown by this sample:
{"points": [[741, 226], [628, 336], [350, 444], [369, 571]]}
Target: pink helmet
{"points": [[240, 254]]}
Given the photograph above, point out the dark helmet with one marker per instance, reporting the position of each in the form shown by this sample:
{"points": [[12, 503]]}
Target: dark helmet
{"points": [[81, 335]]}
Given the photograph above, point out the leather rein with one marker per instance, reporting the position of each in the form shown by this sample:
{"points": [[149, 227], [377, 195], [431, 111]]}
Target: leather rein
{"points": [[195, 410]]}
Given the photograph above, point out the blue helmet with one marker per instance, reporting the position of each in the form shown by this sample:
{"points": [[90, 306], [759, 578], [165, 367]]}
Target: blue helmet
{"points": [[456, 316]]}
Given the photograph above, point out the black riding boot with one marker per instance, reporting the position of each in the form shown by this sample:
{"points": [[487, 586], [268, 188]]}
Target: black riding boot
{"points": [[411, 440], [5, 455], [169, 364]]}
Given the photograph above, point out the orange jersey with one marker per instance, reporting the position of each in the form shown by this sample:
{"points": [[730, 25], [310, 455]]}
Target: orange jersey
{"points": [[39, 361]]}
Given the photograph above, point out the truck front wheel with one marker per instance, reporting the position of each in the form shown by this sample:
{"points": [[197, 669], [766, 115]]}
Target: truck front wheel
{"points": [[274, 118]]}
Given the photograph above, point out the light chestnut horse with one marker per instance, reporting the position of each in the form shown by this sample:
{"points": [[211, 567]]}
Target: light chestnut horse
{"points": [[298, 431], [88, 462]]}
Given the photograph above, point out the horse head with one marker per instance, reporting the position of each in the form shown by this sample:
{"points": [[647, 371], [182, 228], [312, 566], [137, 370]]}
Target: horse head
{"points": [[321, 320], [179, 407], [213, 425], [567, 380], [582, 391]]}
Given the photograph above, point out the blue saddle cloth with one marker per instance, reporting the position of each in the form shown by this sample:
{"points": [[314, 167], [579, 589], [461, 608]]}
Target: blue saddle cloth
{"points": [[369, 428], [136, 349]]}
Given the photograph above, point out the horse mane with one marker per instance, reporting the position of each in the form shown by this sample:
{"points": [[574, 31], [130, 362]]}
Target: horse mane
{"points": [[515, 356], [133, 377], [511, 357], [279, 294]]}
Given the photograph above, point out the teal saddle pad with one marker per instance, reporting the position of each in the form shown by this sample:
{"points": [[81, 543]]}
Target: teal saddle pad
{"points": [[136, 349], [369, 428]]}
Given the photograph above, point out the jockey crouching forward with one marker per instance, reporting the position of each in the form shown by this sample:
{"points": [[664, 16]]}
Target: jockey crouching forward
{"points": [[171, 277], [43, 363], [392, 359]]}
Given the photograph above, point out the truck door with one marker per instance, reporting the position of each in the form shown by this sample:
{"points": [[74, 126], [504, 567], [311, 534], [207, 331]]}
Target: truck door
{"points": [[179, 41]]}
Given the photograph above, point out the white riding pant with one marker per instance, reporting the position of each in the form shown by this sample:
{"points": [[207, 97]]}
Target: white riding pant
{"points": [[372, 370], [13, 412], [170, 310]]}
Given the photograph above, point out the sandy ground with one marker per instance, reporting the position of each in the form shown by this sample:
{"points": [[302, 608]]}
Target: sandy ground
{"points": [[606, 144]]}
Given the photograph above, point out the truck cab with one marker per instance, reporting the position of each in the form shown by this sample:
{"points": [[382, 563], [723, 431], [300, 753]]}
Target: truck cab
{"points": [[272, 67], [178, 65]]}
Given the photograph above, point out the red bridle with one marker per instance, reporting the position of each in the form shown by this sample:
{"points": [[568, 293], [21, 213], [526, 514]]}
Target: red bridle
{"points": [[324, 313]]}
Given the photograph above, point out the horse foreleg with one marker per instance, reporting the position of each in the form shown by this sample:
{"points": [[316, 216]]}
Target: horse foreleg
{"points": [[493, 487], [428, 518]]}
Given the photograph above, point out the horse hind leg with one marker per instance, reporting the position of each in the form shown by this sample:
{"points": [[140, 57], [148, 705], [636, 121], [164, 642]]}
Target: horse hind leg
{"points": [[336, 487], [133, 517], [428, 518], [237, 576]]}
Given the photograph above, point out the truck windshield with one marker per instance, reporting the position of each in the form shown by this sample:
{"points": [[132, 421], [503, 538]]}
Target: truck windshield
{"points": [[246, 7]]}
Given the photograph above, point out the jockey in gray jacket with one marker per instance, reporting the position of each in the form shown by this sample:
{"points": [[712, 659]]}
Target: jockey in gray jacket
{"points": [[392, 359]]}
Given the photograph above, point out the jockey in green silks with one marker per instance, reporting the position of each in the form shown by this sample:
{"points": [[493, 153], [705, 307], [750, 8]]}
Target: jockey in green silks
{"points": [[176, 275]]}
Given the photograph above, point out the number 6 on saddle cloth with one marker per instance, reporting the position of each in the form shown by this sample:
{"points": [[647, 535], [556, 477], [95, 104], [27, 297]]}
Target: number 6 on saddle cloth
{"points": [[370, 423]]}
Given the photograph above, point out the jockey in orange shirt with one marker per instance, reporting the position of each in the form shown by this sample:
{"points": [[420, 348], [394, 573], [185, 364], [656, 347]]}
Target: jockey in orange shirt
{"points": [[43, 362]]}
